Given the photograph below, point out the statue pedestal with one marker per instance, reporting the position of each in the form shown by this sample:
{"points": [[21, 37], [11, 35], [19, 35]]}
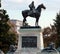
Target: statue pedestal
{"points": [[30, 40]]}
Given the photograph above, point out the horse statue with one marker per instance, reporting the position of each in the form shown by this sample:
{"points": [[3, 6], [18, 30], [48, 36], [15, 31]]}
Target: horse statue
{"points": [[36, 14]]}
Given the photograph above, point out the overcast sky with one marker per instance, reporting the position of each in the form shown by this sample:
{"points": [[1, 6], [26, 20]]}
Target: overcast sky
{"points": [[15, 7]]}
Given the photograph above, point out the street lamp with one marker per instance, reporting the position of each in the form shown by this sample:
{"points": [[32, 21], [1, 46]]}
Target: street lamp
{"points": [[0, 3]]}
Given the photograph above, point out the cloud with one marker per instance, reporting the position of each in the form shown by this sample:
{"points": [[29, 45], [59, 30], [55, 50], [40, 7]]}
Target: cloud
{"points": [[16, 1]]}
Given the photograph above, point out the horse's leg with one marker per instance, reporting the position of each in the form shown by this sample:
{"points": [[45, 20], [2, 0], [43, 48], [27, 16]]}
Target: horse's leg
{"points": [[36, 23], [24, 20]]}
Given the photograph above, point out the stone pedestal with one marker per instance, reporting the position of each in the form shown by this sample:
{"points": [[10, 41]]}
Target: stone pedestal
{"points": [[30, 40]]}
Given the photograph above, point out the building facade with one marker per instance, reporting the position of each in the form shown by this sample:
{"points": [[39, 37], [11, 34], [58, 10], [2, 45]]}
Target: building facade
{"points": [[17, 24]]}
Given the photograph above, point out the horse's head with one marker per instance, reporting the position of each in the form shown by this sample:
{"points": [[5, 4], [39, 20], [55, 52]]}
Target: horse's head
{"points": [[42, 6]]}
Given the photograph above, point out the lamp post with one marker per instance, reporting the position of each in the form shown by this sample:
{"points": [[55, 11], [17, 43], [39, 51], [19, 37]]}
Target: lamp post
{"points": [[0, 3]]}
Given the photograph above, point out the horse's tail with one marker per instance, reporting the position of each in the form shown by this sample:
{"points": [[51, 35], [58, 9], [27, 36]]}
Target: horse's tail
{"points": [[22, 12]]}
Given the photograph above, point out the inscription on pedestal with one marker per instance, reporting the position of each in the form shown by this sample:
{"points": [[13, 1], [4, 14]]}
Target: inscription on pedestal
{"points": [[29, 41]]}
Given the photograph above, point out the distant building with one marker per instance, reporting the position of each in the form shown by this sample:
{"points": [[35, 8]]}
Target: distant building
{"points": [[17, 24]]}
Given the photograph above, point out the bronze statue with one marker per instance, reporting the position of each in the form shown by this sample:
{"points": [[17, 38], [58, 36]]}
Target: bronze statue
{"points": [[33, 12], [32, 8], [12, 48]]}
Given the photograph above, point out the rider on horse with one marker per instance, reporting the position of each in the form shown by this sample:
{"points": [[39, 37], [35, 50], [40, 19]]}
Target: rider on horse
{"points": [[32, 8], [33, 12]]}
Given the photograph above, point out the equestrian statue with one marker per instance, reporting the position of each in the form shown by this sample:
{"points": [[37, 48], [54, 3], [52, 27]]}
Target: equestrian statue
{"points": [[33, 12]]}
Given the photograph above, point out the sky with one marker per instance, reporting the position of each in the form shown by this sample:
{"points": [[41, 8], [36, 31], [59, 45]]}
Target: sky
{"points": [[15, 7]]}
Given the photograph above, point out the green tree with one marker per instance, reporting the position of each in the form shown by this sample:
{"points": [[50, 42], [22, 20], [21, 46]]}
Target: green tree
{"points": [[57, 25], [49, 35], [6, 37]]}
